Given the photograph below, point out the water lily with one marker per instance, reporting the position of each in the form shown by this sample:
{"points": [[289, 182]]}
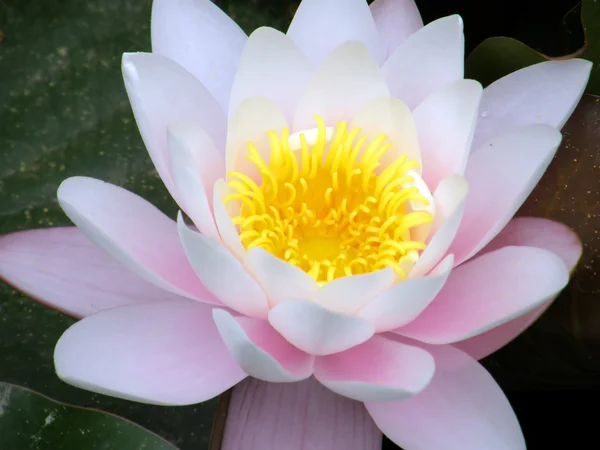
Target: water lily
{"points": [[349, 200]]}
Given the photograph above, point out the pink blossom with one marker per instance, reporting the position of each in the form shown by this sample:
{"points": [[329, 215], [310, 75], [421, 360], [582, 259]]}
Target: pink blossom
{"points": [[176, 313]]}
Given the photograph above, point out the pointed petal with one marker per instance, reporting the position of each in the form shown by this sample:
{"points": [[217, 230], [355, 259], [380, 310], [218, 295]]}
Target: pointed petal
{"points": [[132, 231], [391, 117], [280, 280], [501, 176], [533, 232], [196, 164], [251, 122], [403, 302], [395, 20], [63, 269], [163, 353], [426, 61], [348, 294], [320, 26], [462, 409], [316, 330], [381, 369], [521, 98], [222, 273], [200, 37], [162, 92], [487, 292], [450, 200], [271, 66], [296, 416], [227, 230], [260, 351], [347, 79], [445, 122]]}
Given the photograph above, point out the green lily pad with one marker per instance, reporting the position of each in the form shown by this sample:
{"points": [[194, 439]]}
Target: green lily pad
{"points": [[498, 56], [31, 421]]}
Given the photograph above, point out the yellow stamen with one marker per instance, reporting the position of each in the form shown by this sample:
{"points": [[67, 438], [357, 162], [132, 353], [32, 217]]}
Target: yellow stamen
{"points": [[323, 205]]}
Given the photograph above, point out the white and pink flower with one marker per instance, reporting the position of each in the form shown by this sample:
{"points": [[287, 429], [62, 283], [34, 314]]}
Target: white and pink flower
{"points": [[350, 198]]}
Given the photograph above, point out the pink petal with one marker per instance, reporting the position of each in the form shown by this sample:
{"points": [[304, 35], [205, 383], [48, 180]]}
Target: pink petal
{"points": [[462, 409], [445, 123], [395, 20], [132, 231], [533, 232], [320, 26], [381, 369], [347, 79], [349, 294], [271, 66], [501, 175], [450, 200], [260, 351], [487, 292], [196, 164], [222, 273], [63, 269], [280, 280], [316, 330], [521, 98], [164, 353], [403, 302], [296, 416], [162, 92], [197, 35], [426, 61]]}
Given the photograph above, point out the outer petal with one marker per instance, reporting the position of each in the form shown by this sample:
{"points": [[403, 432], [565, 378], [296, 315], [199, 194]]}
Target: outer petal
{"points": [[222, 273], [342, 84], [271, 66], [521, 98], [462, 409], [162, 92], [396, 20], [200, 37], [164, 353], [349, 294], [533, 232], [403, 302], [445, 123], [316, 330], [450, 200], [320, 26], [133, 232], [280, 280], [501, 176], [381, 369], [427, 60], [296, 416], [392, 117], [489, 291], [261, 351], [63, 269], [196, 164]]}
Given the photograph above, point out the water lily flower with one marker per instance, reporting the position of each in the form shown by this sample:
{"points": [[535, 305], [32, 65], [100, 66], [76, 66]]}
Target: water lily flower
{"points": [[349, 201]]}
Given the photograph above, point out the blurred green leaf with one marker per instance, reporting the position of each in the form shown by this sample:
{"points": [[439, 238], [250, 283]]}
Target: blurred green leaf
{"points": [[498, 56], [31, 421]]}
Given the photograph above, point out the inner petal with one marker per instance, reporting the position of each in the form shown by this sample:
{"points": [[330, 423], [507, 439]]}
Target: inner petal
{"points": [[324, 202]]}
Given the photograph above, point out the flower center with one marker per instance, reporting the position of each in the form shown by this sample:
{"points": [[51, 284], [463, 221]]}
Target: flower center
{"points": [[325, 204]]}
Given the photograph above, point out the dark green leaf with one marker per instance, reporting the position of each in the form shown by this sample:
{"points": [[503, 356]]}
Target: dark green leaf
{"points": [[498, 56], [31, 421]]}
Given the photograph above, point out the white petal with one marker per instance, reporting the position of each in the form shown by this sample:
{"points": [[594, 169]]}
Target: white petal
{"points": [[342, 84], [396, 20], [280, 280], [222, 273], [260, 351], [429, 59], [227, 230]]}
